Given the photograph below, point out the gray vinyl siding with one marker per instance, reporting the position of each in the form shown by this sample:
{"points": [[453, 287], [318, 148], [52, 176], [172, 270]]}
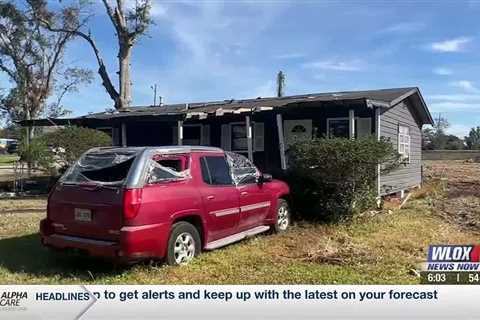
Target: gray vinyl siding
{"points": [[409, 174]]}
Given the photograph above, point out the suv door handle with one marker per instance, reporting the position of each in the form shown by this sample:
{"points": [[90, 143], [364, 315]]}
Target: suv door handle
{"points": [[210, 197], [244, 193]]}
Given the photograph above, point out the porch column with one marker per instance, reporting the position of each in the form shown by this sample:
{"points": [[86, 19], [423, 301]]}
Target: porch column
{"points": [[180, 132], [351, 123], [124, 134], [281, 142], [378, 135], [248, 125]]}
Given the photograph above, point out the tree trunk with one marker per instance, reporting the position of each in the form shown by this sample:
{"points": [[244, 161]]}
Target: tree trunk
{"points": [[28, 139], [124, 75]]}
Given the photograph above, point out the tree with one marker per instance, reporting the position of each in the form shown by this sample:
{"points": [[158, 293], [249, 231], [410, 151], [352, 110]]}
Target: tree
{"points": [[473, 139], [32, 59], [129, 25], [435, 138]]}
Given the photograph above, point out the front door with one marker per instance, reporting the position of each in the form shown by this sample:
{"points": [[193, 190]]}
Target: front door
{"points": [[220, 197]]}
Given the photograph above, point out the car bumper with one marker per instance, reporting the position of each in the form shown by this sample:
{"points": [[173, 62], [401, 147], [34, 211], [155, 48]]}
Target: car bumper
{"points": [[134, 242]]}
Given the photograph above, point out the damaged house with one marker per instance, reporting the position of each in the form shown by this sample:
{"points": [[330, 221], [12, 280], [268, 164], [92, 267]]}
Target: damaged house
{"points": [[263, 128]]}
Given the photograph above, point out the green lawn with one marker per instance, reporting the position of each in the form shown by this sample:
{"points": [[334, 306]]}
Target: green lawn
{"points": [[380, 248], [7, 159]]}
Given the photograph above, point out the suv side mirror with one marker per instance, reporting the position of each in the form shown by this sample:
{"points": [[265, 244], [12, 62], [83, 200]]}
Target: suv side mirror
{"points": [[264, 177]]}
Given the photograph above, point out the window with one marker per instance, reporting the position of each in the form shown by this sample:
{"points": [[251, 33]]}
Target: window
{"points": [[167, 168], [215, 171], [239, 137], [234, 137], [192, 135], [243, 170], [338, 128], [404, 142], [102, 166]]}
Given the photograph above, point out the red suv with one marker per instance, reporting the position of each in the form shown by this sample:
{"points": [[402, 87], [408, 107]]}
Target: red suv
{"points": [[161, 202]]}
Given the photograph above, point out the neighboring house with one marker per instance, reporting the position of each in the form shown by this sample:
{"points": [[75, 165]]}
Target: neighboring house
{"points": [[264, 128]]}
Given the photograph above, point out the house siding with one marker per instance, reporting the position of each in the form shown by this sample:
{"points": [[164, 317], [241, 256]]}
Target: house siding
{"points": [[408, 175]]}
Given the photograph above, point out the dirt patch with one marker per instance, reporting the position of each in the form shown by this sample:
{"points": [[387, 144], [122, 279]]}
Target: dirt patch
{"points": [[460, 203], [324, 245]]}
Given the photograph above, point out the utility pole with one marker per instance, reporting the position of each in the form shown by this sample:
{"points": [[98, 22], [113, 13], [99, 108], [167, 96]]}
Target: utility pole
{"points": [[280, 84], [154, 88]]}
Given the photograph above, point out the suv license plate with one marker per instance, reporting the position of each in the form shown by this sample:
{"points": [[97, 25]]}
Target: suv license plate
{"points": [[84, 215]]}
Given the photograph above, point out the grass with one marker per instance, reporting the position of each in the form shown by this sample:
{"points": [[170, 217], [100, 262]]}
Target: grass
{"points": [[7, 159], [381, 248]]}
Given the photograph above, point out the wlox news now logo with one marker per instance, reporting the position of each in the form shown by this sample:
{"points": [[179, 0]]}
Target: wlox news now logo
{"points": [[453, 258]]}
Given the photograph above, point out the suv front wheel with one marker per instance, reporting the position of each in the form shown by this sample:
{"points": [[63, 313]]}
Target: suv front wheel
{"points": [[283, 216], [183, 244]]}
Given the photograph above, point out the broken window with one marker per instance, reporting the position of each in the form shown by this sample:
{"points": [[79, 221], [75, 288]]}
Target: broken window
{"points": [[167, 168], [101, 166], [243, 171]]}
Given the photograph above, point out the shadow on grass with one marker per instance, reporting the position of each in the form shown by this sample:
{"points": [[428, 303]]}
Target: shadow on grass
{"points": [[26, 255]]}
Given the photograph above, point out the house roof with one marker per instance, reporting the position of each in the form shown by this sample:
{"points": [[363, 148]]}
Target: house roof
{"points": [[381, 97]]}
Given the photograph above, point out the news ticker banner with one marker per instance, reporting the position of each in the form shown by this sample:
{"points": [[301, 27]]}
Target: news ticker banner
{"points": [[238, 302]]}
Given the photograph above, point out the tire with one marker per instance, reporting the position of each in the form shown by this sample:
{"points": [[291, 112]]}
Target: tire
{"points": [[283, 217], [184, 243]]}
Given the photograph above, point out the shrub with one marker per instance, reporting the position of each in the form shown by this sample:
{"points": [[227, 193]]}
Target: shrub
{"points": [[333, 179], [35, 153], [54, 151]]}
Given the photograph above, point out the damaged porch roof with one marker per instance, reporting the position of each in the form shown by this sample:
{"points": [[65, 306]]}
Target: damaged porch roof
{"points": [[385, 98]]}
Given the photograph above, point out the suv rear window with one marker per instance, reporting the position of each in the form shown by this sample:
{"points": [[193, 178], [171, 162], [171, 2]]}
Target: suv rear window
{"points": [[101, 166]]}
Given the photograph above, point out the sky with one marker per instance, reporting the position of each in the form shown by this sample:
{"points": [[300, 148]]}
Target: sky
{"points": [[215, 50]]}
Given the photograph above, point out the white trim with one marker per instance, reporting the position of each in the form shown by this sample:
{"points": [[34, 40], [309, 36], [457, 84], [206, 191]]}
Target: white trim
{"points": [[180, 132], [248, 125], [351, 123], [235, 210], [225, 212], [255, 206], [378, 134]]}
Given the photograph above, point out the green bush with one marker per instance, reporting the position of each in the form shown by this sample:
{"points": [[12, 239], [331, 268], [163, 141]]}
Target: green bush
{"points": [[56, 150], [333, 179], [35, 153], [68, 144]]}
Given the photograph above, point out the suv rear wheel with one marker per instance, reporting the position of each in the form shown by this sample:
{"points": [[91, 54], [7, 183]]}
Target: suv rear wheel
{"points": [[183, 244], [283, 216]]}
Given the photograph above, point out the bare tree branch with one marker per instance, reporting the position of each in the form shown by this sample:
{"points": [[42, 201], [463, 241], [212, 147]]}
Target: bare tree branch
{"points": [[102, 70]]}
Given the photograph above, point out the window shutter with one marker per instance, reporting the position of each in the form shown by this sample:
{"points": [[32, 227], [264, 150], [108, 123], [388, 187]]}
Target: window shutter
{"points": [[205, 139], [364, 127], [258, 135], [116, 136], [226, 137], [174, 135]]}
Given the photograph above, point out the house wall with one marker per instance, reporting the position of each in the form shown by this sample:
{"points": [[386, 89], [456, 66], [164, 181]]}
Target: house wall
{"points": [[158, 133], [408, 174]]}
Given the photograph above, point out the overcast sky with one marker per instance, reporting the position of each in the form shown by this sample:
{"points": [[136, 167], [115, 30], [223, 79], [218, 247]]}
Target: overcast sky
{"points": [[211, 50]]}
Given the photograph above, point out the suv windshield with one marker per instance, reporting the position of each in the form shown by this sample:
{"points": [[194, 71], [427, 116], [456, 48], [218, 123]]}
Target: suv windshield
{"points": [[101, 166]]}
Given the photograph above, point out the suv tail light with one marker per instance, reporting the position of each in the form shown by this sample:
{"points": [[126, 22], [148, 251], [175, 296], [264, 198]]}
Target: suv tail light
{"points": [[132, 199]]}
